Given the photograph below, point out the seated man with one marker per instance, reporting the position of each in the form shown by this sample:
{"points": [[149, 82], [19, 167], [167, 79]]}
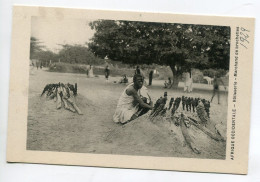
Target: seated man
{"points": [[131, 103], [124, 79], [168, 84]]}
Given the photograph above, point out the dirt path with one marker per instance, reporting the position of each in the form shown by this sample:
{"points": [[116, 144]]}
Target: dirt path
{"points": [[50, 129]]}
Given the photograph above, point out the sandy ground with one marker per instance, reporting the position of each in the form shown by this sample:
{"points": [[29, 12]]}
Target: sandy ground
{"points": [[50, 129]]}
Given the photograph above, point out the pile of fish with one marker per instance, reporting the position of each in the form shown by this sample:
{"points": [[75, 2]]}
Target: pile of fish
{"points": [[63, 95], [197, 107], [201, 106]]}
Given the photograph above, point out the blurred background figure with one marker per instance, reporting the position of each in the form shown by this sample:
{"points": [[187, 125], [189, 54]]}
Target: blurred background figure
{"points": [[188, 82], [150, 77], [107, 72], [217, 81], [124, 79], [90, 72], [168, 84], [137, 70]]}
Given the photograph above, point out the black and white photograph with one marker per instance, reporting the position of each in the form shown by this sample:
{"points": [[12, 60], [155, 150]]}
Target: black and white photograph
{"points": [[120, 87]]}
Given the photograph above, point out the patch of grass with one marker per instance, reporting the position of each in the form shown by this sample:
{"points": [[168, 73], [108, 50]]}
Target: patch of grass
{"points": [[68, 68]]}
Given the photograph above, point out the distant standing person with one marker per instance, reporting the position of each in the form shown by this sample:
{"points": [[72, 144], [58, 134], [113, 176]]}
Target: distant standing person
{"points": [[216, 83], [137, 70], [90, 72], [188, 85], [150, 77], [107, 72], [140, 72], [37, 64], [87, 72]]}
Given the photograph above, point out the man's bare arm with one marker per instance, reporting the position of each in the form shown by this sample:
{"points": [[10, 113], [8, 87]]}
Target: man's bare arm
{"points": [[137, 98]]}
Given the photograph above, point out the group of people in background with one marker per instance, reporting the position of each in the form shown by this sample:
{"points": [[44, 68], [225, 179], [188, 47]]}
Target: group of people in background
{"points": [[90, 73]]}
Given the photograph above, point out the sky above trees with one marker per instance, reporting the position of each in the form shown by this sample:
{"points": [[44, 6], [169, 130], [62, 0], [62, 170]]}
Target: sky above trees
{"points": [[51, 32]]}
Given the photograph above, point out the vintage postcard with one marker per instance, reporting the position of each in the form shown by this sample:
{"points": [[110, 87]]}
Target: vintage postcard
{"points": [[130, 89]]}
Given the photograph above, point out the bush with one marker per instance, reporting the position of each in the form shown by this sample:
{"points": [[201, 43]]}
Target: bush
{"points": [[114, 71], [81, 68], [197, 76], [68, 68]]}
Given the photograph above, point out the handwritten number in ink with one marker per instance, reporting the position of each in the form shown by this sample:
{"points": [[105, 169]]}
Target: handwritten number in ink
{"points": [[244, 37], [244, 30]]}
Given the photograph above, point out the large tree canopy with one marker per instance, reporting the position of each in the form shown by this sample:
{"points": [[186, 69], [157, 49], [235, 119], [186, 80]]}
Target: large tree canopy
{"points": [[179, 46]]}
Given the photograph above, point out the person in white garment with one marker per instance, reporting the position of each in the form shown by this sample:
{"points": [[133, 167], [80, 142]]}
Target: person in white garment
{"points": [[133, 102], [188, 82], [90, 72]]}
